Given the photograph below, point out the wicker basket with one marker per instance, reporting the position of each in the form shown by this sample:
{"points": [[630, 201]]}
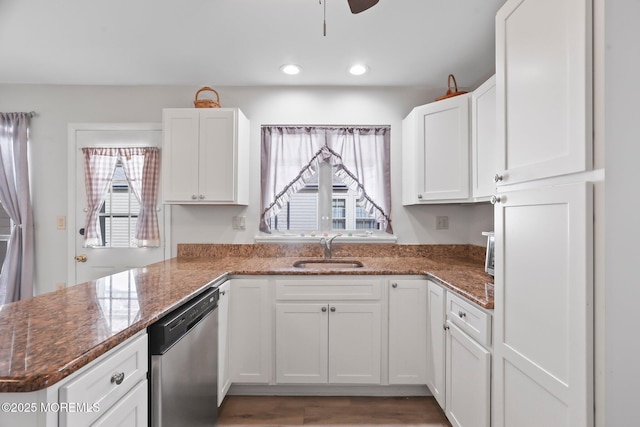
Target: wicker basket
{"points": [[207, 103], [451, 92]]}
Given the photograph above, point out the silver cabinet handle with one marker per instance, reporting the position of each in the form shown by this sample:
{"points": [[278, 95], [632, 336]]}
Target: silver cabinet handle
{"points": [[394, 285], [223, 292], [497, 199], [333, 309], [193, 197], [445, 327], [117, 378], [201, 196], [324, 309], [462, 314], [419, 196], [497, 178]]}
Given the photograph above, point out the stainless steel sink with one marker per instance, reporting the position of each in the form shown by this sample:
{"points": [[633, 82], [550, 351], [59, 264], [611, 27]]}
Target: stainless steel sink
{"points": [[328, 263]]}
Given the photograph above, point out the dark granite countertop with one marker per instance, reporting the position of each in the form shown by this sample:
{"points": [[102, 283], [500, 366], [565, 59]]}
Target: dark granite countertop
{"points": [[48, 337]]}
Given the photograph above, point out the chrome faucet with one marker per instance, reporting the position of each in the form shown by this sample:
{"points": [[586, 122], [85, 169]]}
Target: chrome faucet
{"points": [[327, 245]]}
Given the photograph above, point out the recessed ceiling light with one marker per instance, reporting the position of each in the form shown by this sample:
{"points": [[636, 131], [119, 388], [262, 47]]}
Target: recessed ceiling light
{"points": [[291, 69], [358, 69]]}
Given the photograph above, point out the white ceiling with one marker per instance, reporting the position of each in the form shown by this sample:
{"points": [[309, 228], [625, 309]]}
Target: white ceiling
{"points": [[244, 42]]}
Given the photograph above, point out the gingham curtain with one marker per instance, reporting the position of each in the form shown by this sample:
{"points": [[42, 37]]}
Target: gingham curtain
{"points": [[142, 169], [99, 166], [141, 166]]}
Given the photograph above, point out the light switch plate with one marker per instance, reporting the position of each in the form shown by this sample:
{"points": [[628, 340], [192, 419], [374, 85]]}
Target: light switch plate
{"points": [[61, 222], [239, 222]]}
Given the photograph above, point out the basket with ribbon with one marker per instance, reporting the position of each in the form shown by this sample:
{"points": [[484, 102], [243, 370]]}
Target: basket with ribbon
{"points": [[205, 102], [451, 91]]}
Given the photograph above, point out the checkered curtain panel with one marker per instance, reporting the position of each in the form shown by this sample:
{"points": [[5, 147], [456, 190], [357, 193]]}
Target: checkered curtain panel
{"points": [[142, 169], [99, 166]]}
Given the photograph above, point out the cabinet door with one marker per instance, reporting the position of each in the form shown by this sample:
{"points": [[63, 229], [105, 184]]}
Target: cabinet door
{"points": [[436, 342], [468, 381], [407, 332], [543, 348], [224, 378], [442, 138], [250, 331], [130, 411], [217, 160], [180, 132], [301, 343], [543, 81], [354, 343], [484, 143]]}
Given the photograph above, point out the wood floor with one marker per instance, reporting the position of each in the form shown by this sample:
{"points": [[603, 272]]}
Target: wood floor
{"points": [[333, 411]]}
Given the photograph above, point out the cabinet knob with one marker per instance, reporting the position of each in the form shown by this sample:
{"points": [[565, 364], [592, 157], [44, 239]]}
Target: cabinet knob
{"points": [[324, 309], [420, 196], [333, 309], [194, 197], [497, 178], [394, 285], [445, 327], [497, 199], [223, 292], [201, 196], [462, 314], [117, 378]]}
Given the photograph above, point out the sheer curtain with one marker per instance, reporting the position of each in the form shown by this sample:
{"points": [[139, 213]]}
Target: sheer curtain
{"points": [[290, 156], [141, 166], [16, 278]]}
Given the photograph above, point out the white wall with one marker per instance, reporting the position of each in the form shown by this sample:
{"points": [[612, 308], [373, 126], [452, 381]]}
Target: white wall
{"points": [[57, 106], [622, 204]]}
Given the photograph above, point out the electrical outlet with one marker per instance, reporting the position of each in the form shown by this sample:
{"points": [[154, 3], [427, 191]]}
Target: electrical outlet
{"points": [[61, 222], [442, 223], [239, 222], [60, 286]]}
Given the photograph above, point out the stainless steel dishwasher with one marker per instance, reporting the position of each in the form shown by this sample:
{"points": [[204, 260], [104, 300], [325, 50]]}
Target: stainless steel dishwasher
{"points": [[184, 365]]}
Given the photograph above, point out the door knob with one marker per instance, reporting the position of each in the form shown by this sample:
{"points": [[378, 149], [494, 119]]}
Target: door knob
{"points": [[81, 258]]}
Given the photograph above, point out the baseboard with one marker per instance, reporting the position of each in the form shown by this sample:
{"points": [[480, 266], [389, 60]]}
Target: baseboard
{"points": [[328, 390]]}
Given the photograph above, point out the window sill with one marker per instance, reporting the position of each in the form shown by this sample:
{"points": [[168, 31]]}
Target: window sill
{"points": [[296, 238]]}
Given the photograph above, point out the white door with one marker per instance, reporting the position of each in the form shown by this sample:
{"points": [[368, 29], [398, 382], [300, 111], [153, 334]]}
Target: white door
{"points": [[301, 343], [408, 332], [117, 255], [468, 381], [224, 375], [543, 349], [354, 343], [543, 88], [436, 342]]}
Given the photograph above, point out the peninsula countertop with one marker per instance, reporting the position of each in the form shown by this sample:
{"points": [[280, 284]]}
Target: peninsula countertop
{"points": [[46, 338]]}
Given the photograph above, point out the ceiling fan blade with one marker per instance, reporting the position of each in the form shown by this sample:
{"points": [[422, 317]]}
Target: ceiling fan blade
{"points": [[358, 6]]}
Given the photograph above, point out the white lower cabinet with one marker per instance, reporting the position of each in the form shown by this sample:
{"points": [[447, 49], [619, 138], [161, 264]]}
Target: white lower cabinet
{"points": [[468, 383], [459, 358], [224, 376], [130, 411], [436, 350], [408, 331], [328, 331], [250, 314]]}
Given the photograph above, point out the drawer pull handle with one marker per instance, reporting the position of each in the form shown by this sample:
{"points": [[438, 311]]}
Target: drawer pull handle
{"points": [[394, 285], [117, 378], [445, 327], [462, 314], [324, 309], [333, 309]]}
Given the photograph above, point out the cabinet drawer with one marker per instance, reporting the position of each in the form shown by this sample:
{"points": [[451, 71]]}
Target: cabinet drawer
{"points": [[97, 386], [470, 319], [328, 289]]}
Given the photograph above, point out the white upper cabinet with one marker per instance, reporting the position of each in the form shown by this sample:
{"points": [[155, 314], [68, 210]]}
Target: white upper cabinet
{"points": [[205, 156], [543, 77], [484, 142], [435, 152]]}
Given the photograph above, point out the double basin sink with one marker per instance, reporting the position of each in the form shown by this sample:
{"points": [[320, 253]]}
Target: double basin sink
{"points": [[330, 264]]}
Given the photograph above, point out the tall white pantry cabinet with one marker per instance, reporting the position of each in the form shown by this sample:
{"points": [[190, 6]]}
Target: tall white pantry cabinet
{"points": [[543, 316]]}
